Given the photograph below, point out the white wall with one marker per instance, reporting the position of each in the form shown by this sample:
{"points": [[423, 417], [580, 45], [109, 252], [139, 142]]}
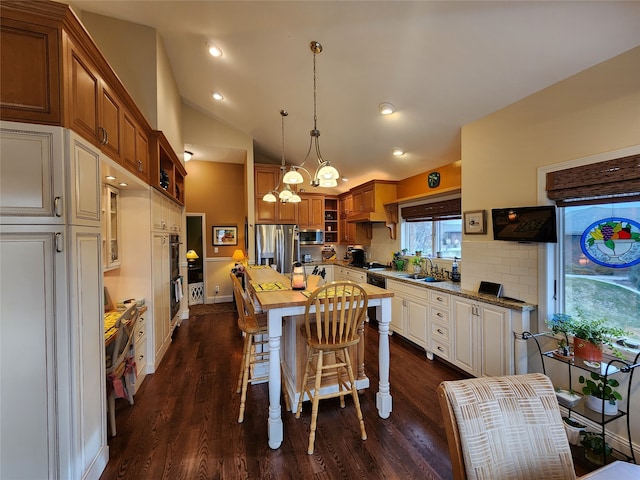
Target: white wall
{"points": [[595, 111]]}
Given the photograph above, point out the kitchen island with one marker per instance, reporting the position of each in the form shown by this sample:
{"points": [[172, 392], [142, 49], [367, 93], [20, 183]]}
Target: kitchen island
{"points": [[272, 291]]}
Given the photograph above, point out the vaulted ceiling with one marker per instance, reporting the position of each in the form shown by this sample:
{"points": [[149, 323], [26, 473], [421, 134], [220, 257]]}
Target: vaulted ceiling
{"points": [[442, 64]]}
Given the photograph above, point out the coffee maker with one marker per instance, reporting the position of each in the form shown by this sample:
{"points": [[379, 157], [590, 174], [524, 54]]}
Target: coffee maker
{"points": [[357, 257]]}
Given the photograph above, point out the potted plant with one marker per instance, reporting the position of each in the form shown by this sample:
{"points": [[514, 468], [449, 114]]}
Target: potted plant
{"points": [[574, 430], [595, 448], [590, 335], [568, 398], [417, 263], [601, 391]]}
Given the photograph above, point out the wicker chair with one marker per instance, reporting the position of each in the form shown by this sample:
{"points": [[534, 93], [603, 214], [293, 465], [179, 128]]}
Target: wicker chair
{"points": [[340, 309], [501, 428]]}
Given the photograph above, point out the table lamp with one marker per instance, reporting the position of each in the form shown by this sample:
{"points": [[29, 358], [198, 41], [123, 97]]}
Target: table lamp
{"points": [[238, 256], [192, 255]]}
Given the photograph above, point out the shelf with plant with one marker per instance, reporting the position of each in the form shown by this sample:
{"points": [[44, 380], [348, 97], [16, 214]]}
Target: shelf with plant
{"points": [[601, 393], [590, 336], [596, 449]]}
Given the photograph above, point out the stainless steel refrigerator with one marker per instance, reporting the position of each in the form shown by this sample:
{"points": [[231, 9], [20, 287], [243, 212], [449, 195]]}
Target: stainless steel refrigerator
{"points": [[277, 245]]}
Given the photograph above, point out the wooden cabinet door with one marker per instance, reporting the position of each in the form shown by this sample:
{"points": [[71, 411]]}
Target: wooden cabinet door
{"points": [[142, 155], [417, 319], [129, 143], [266, 179], [311, 213], [110, 114], [286, 212], [369, 200], [82, 97], [30, 73]]}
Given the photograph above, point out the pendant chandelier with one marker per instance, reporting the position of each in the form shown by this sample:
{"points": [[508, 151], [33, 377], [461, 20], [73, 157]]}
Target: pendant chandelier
{"points": [[286, 194], [325, 174]]}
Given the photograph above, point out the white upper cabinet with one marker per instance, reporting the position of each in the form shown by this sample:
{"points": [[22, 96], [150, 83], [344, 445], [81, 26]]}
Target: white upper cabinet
{"points": [[31, 174]]}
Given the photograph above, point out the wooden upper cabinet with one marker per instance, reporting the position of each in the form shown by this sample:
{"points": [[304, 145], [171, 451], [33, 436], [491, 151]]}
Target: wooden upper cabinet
{"points": [[267, 177], [30, 73], [135, 148], [311, 212], [166, 172], [53, 73]]}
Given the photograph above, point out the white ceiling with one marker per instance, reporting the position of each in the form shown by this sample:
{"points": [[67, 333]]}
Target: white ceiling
{"points": [[443, 64]]}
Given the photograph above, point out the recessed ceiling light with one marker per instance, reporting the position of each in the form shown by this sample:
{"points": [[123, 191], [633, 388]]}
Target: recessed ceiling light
{"points": [[123, 184], [398, 152], [386, 108], [110, 177], [217, 96], [187, 155], [215, 51]]}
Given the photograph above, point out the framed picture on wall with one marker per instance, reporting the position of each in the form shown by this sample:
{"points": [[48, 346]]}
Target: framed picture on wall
{"points": [[475, 222], [225, 235]]}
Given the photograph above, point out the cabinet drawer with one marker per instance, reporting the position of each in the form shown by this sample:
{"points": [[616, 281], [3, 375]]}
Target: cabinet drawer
{"points": [[440, 349], [141, 328], [405, 289], [440, 332], [140, 350], [439, 298], [439, 315]]}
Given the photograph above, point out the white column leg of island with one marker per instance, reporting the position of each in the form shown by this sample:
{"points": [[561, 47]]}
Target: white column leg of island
{"points": [[275, 382], [384, 402]]}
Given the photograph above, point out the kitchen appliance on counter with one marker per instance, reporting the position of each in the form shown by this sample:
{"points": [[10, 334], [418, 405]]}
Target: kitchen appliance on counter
{"points": [[328, 252], [277, 245], [306, 258], [357, 257]]}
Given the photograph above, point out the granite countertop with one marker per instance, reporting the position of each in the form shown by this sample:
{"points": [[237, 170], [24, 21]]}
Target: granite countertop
{"points": [[444, 286]]}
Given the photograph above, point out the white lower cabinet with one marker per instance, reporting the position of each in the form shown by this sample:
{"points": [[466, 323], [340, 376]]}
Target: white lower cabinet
{"points": [[52, 382], [345, 273], [410, 312], [483, 338]]}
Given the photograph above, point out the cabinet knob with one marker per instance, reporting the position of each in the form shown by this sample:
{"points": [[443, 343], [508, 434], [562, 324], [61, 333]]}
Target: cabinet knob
{"points": [[441, 349], [439, 314], [439, 331]]}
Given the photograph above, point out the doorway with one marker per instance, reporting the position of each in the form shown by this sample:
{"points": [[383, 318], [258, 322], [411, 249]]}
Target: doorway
{"points": [[195, 257]]}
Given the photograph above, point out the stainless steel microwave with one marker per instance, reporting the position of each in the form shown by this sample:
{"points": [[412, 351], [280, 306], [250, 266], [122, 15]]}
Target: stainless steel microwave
{"points": [[311, 237]]}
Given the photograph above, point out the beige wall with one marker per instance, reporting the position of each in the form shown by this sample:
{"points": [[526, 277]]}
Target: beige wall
{"points": [[595, 111], [137, 55], [169, 103]]}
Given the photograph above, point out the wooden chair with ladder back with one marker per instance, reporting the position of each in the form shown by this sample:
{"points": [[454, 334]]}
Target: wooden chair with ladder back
{"points": [[333, 314]]}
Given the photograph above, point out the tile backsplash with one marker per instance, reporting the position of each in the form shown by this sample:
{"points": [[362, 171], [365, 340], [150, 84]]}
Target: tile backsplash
{"points": [[514, 265]]}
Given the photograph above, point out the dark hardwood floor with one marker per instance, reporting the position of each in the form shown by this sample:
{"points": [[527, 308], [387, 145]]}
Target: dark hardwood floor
{"points": [[183, 424]]}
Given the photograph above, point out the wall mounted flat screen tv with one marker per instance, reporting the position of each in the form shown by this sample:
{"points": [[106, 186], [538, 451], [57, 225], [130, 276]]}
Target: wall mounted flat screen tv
{"points": [[525, 224]]}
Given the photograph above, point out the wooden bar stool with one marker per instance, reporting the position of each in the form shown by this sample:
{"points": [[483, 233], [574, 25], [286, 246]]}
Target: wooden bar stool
{"points": [[340, 309], [253, 352]]}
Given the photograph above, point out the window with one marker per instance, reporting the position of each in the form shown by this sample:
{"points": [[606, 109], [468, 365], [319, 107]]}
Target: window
{"points": [[599, 290], [433, 236], [433, 228]]}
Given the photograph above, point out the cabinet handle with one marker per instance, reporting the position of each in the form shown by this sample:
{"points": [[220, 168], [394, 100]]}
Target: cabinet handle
{"points": [[102, 135], [441, 349], [439, 314], [57, 202], [59, 243], [439, 299], [106, 136], [440, 331], [140, 357]]}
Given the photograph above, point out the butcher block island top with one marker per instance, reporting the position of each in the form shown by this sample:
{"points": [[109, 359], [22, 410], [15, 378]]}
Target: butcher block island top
{"points": [[273, 289], [285, 313]]}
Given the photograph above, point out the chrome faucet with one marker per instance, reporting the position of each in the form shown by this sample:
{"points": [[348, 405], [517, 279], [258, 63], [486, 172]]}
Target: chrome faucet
{"points": [[431, 263]]}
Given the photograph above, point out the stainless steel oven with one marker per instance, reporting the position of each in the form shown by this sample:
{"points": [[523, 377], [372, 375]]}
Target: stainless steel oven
{"points": [[175, 285]]}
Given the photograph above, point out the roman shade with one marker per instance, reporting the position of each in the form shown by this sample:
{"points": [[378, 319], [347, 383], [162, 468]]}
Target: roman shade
{"points": [[610, 181], [445, 210]]}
